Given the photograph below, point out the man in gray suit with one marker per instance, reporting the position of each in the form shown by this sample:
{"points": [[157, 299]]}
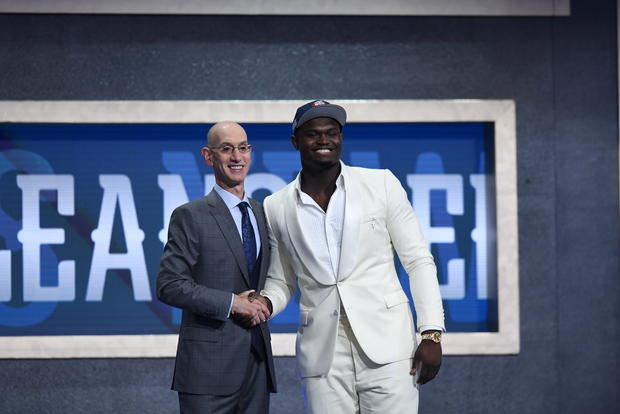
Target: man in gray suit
{"points": [[217, 253]]}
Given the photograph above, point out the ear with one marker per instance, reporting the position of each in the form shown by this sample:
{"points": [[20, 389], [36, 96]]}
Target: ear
{"points": [[294, 142], [207, 155]]}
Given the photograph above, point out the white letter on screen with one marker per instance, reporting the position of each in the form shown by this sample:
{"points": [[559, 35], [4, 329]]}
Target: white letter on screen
{"points": [[5, 275], [32, 236], [175, 195], [479, 234], [117, 187], [421, 186]]}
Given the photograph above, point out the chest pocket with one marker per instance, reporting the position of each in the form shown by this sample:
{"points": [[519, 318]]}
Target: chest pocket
{"points": [[374, 224]]}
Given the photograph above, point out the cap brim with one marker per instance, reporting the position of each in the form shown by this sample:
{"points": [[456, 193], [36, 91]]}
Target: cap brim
{"points": [[324, 111]]}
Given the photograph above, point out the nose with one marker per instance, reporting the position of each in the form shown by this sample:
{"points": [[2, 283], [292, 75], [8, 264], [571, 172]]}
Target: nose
{"points": [[323, 138], [235, 155]]}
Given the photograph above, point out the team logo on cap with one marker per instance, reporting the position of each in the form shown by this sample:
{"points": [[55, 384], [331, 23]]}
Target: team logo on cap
{"points": [[317, 103]]}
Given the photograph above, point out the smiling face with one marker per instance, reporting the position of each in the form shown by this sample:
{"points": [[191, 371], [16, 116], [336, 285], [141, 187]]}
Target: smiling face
{"points": [[319, 142], [229, 169]]}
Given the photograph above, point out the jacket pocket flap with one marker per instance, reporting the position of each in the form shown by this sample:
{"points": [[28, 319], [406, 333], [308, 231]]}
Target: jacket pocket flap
{"points": [[200, 334], [395, 298]]}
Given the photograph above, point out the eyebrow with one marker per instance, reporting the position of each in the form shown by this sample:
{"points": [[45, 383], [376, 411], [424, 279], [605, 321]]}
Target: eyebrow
{"points": [[231, 144], [323, 129]]}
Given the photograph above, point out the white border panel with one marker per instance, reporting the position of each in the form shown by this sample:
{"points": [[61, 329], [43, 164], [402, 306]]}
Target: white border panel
{"points": [[296, 7], [500, 112]]}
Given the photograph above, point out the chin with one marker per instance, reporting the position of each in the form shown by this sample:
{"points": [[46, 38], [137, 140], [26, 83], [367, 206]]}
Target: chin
{"points": [[327, 160], [233, 182]]}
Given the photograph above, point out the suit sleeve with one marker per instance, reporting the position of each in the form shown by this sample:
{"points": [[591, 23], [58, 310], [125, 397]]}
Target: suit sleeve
{"points": [[281, 280], [414, 255], [175, 284]]}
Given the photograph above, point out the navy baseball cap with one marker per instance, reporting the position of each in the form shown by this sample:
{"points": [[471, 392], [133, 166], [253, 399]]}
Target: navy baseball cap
{"points": [[319, 109]]}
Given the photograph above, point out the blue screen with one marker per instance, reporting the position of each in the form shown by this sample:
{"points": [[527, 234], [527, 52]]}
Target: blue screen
{"points": [[84, 209]]}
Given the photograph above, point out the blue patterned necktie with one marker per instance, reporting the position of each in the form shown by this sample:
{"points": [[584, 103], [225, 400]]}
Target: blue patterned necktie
{"points": [[249, 247], [249, 239]]}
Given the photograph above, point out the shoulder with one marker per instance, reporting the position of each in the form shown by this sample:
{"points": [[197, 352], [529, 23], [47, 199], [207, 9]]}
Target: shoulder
{"points": [[196, 204], [371, 177], [364, 172], [256, 205], [279, 197], [192, 207]]}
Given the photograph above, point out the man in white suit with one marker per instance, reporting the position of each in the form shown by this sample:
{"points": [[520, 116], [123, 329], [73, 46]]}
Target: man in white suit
{"points": [[333, 232]]}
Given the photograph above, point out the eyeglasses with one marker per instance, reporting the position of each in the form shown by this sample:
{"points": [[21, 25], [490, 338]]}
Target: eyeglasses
{"points": [[228, 149]]}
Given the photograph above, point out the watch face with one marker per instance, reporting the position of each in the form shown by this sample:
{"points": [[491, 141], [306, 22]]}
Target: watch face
{"points": [[435, 337]]}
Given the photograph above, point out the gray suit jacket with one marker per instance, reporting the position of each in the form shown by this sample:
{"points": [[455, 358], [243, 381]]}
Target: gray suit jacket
{"points": [[202, 264]]}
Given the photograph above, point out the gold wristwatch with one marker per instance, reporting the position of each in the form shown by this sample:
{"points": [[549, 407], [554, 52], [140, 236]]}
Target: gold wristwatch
{"points": [[433, 336]]}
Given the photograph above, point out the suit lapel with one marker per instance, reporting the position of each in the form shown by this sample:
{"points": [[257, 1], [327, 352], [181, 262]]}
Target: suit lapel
{"points": [[351, 227], [224, 220], [300, 244]]}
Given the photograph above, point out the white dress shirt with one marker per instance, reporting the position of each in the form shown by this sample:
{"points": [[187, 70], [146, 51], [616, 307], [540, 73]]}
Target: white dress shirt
{"points": [[323, 229]]}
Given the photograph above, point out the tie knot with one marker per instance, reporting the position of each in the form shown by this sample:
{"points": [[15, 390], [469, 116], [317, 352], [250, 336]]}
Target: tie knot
{"points": [[243, 206]]}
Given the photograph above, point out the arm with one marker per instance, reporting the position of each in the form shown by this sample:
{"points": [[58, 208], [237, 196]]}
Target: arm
{"points": [[281, 280], [417, 260], [414, 255], [176, 285]]}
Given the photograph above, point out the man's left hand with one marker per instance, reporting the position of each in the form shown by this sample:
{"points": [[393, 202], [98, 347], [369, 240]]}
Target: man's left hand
{"points": [[427, 359]]}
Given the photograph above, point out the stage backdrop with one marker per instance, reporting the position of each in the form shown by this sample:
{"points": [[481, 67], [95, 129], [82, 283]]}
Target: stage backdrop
{"points": [[296, 7], [87, 190]]}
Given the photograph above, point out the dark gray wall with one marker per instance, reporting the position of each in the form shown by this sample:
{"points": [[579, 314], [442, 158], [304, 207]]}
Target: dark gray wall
{"points": [[560, 71]]}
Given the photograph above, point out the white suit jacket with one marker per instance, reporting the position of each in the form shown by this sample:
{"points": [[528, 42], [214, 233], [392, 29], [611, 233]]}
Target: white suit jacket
{"points": [[378, 219]]}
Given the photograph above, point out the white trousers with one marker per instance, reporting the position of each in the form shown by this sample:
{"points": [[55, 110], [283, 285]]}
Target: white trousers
{"points": [[356, 385]]}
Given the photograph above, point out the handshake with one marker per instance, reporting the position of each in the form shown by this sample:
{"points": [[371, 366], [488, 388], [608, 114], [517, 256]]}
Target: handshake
{"points": [[250, 308]]}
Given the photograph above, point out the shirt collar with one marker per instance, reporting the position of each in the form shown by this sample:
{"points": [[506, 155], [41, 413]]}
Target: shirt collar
{"points": [[339, 181], [229, 198]]}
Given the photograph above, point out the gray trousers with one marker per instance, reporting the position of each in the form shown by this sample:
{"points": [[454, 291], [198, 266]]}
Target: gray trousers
{"points": [[251, 398]]}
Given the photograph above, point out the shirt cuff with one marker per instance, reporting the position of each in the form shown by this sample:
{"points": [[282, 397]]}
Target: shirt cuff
{"points": [[271, 301], [232, 299], [430, 328]]}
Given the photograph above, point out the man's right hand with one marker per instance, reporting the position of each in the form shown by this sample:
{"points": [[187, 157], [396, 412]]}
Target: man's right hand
{"points": [[265, 300], [247, 311]]}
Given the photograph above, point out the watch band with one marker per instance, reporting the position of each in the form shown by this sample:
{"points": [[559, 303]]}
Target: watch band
{"points": [[433, 336]]}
